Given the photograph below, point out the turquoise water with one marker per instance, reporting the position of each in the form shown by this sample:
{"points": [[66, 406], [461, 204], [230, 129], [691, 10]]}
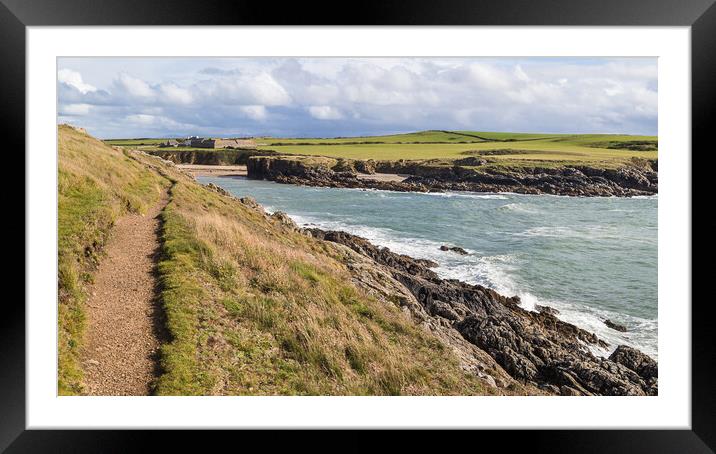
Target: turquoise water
{"points": [[590, 258]]}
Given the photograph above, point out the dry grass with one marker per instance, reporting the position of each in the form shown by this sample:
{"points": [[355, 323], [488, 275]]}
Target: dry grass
{"points": [[272, 313]]}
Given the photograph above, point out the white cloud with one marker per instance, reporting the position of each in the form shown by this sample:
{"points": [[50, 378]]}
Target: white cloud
{"points": [[254, 112], [142, 119], [325, 112], [74, 79], [296, 96], [155, 121], [245, 89], [134, 86], [75, 109], [520, 74], [176, 94]]}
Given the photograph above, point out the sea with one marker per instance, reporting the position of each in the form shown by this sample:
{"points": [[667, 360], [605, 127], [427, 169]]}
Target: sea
{"points": [[591, 258]]}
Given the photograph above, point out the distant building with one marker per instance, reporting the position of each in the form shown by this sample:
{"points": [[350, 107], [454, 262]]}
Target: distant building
{"points": [[198, 142], [169, 143]]}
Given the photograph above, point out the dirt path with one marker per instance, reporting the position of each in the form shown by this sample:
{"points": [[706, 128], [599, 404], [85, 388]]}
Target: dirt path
{"points": [[124, 325]]}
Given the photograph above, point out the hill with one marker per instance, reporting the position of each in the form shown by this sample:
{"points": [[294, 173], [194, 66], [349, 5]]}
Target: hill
{"points": [[500, 149], [252, 305]]}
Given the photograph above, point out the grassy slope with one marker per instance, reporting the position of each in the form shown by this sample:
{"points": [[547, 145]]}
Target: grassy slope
{"points": [[255, 309], [252, 307], [590, 150], [420, 136], [536, 149], [96, 184]]}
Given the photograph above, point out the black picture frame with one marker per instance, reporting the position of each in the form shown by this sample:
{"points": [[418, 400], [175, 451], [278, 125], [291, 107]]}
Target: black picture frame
{"points": [[700, 15]]}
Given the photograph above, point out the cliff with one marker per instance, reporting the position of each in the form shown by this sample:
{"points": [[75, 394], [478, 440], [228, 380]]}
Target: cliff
{"points": [[208, 156], [640, 177]]}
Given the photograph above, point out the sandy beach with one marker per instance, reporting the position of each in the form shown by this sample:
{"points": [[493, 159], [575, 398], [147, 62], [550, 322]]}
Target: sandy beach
{"points": [[382, 177], [216, 171], [240, 171]]}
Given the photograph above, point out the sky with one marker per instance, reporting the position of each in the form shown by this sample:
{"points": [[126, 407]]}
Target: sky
{"points": [[332, 97]]}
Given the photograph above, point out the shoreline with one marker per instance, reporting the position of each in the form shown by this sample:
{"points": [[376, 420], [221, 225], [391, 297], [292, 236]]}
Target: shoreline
{"points": [[639, 179], [583, 315], [534, 347], [529, 344]]}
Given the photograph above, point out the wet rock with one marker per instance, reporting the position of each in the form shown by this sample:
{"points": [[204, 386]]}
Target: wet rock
{"points": [[547, 309], [615, 326], [455, 249], [536, 348], [427, 263]]}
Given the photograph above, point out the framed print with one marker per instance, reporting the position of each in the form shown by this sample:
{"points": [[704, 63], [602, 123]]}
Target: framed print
{"points": [[443, 217]]}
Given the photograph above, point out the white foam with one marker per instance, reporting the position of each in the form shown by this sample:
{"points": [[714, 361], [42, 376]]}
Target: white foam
{"points": [[496, 271], [519, 208], [468, 195], [655, 196], [586, 232]]}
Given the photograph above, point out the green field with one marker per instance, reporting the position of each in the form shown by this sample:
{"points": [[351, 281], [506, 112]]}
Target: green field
{"points": [[498, 148]]}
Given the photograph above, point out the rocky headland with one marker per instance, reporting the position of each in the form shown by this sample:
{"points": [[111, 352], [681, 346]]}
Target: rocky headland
{"points": [[535, 348], [639, 178]]}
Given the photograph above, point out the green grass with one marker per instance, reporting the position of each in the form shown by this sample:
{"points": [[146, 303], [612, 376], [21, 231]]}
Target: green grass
{"points": [[412, 137], [541, 150], [602, 150], [96, 184], [550, 150]]}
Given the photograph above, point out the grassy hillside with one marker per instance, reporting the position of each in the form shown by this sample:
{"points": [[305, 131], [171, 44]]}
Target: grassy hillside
{"points": [[96, 184], [507, 149], [252, 306], [431, 136], [502, 148], [256, 309]]}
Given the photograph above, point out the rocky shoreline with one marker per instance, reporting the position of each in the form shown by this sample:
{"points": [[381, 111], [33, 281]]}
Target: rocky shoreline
{"points": [[494, 337], [638, 179], [535, 348]]}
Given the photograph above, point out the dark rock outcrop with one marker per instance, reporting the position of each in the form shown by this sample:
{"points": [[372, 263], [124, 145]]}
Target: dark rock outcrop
{"points": [[615, 326], [535, 348], [283, 220], [225, 156], [637, 361], [548, 309], [630, 180], [455, 249]]}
